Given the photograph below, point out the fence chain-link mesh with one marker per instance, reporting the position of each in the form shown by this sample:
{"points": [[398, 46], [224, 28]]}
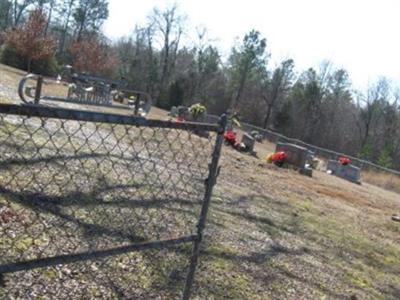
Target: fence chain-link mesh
{"points": [[275, 137], [79, 198]]}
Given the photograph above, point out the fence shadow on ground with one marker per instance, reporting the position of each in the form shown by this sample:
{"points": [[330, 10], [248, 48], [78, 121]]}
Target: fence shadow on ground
{"points": [[99, 205]]}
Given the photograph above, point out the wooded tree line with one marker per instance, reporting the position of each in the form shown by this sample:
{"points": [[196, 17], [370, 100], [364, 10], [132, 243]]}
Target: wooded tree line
{"points": [[318, 105]]}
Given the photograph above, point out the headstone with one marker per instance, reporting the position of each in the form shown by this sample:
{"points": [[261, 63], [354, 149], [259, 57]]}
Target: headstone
{"points": [[248, 141], [257, 136], [173, 112], [201, 118], [183, 112], [297, 156], [348, 172]]}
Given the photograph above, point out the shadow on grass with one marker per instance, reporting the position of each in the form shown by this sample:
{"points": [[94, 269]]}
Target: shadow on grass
{"points": [[241, 210], [45, 204], [106, 214], [167, 271], [279, 220], [341, 251], [258, 268], [4, 164], [257, 257]]}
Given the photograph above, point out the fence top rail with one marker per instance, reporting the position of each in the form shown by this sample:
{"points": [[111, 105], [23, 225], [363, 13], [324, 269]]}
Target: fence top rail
{"points": [[100, 117], [313, 147]]}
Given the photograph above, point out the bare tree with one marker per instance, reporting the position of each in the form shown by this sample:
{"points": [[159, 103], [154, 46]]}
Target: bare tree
{"points": [[89, 15], [277, 87], [371, 109], [168, 26], [65, 11], [5, 14], [19, 7], [250, 56]]}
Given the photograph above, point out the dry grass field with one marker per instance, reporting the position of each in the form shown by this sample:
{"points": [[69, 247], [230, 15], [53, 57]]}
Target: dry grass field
{"points": [[275, 234], [384, 180]]}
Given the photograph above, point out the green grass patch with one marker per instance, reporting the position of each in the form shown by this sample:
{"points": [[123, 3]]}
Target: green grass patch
{"points": [[367, 263]]}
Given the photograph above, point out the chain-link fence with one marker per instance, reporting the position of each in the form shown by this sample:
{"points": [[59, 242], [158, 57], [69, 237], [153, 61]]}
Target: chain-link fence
{"points": [[95, 205], [275, 137]]}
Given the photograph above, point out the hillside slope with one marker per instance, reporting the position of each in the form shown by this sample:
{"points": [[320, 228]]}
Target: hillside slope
{"points": [[288, 236], [275, 234]]}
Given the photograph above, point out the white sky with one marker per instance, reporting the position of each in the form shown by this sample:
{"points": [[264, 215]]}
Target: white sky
{"points": [[361, 36]]}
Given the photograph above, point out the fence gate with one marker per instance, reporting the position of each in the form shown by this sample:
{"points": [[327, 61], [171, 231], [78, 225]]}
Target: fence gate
{"points": [[95, 205]]}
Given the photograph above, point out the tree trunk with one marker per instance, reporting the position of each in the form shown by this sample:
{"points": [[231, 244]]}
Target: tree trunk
{"points": [[49, 18], [268, 115], [151, 81], [366, 135], [235, 102], [66, 25], [271, 103], [164, 72], [79, 35]]}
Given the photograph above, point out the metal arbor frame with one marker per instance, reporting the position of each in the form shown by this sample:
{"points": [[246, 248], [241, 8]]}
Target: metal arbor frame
{"points": [[62, 172], [88, 90]]}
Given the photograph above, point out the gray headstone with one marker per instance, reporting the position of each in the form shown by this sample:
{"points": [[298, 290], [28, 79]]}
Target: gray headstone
{"points": [[348, 172], [173, 112], [297, 155], [201, 118], [248, 141], [183, 112], [306, 171]]}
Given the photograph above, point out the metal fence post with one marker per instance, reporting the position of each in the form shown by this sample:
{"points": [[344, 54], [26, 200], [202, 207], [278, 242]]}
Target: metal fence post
{"points": [[38, 90], [209, 183], [137, 103]]}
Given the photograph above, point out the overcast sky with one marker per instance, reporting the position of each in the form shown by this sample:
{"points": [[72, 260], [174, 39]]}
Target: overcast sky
{"points": [[361, 36]]}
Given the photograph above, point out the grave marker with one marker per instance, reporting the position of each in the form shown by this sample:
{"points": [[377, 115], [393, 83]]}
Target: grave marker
{"points": [[348, 172], [297, 156], [248, 141]]}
